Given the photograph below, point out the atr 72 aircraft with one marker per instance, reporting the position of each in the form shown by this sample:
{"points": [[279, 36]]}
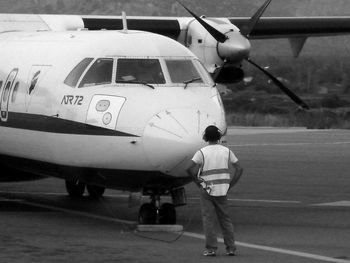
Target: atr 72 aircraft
{"points": [[121, 103]]}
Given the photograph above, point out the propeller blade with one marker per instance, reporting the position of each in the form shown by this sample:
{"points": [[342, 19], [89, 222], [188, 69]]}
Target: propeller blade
{"points": [[278, 83], [255, 19], [220, 37]]}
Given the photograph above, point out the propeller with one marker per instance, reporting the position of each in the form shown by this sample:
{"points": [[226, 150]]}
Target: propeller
{"points": [[255, 19], [279, 84], [236, 48], [220, 37]]}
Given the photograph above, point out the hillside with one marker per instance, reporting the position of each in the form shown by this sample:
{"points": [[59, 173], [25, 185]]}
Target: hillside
{"points": [[169, 7]]}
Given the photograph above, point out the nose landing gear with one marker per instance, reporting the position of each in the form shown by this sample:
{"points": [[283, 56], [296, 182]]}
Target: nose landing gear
{"points": [[150, 214], [164, 214], [77, 188], [167, 214]]}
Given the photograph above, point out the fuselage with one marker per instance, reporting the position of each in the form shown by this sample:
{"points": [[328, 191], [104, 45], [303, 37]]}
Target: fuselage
{"points": [[123, 109]]}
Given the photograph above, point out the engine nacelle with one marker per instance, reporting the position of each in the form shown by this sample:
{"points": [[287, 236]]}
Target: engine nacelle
{"points": [[228, 74], [215, 54]]}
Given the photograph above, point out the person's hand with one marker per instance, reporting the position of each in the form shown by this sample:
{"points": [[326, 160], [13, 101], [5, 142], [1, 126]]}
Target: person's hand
{"points": [[198, 181]]}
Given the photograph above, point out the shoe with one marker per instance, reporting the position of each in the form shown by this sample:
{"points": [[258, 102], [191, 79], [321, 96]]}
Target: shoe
{"points": [[230, 252], [209, 253]]}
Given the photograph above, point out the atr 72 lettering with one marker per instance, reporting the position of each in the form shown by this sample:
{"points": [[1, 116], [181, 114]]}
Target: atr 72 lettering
{"points": [[72, 100]]}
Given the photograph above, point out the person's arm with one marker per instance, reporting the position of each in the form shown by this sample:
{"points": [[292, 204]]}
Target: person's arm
{"points": [[237, 175], [192, 170]]}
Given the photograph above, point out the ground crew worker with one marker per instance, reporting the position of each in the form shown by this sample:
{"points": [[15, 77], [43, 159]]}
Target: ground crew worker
{"points": [[210, 169]]}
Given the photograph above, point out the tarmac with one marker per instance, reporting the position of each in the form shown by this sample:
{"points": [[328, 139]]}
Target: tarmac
{"points": [[292, 205]]}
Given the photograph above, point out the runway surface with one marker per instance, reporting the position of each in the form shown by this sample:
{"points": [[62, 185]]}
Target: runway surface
{"points": [[291, 205]]}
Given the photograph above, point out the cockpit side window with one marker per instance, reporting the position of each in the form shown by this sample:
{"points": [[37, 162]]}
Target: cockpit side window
{"points": [[100, 73], [181, 71], [139, 70], [74, 76]]}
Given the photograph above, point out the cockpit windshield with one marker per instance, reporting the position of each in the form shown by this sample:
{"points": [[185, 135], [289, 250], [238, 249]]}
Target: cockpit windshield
{"points": [[183, 71], [100, 73], [139, 71], [145, 71], [74, 76]]}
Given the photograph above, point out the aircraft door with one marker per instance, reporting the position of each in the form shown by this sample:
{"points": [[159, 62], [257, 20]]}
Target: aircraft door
{"points": [[104, 111], [6, 91], [36, 74]]}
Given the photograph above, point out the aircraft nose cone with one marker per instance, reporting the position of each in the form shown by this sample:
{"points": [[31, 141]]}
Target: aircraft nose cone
{"points": [[171, 137]]}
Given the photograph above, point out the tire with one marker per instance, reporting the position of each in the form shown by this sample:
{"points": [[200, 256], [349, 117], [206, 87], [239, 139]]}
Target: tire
{"points": [[75, 189], [147, 214], [95, 191], [167, 214]]}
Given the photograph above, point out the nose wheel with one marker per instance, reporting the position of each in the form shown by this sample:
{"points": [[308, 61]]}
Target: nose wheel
{"points": [[95, 191], [167, 214], [77, 189], [148, 214], [151, 213]]}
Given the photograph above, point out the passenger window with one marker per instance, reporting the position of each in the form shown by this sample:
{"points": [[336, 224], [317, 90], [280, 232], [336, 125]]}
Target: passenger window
{"points": [[74, 76], [183, 70], [100, 73], [139, 70]]}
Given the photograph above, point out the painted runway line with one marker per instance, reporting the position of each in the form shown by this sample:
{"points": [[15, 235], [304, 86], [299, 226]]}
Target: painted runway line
{"points": [[276, 250], [287, 144], [78, 213], [10, 200], [188, 198], [232, 130], [339, 203], [255, 200], [265, 201], [266, 130]]}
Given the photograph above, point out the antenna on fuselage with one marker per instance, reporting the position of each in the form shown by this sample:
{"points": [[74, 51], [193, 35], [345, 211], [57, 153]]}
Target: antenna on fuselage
{"points": [[125, 23]]}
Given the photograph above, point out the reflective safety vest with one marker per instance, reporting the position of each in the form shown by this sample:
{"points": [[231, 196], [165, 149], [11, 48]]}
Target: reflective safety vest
{"points": [[215, 180]]}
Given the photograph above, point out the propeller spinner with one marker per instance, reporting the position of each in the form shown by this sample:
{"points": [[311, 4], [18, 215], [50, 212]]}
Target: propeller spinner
{"points": [[234, 47]]}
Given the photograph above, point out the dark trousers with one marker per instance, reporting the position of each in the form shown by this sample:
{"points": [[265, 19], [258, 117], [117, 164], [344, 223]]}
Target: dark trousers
{"points": [[216, 206]]}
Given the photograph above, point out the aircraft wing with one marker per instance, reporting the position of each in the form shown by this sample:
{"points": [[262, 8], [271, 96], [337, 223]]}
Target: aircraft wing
{"points": [[267, 27], [166, 26], [287, 27]]}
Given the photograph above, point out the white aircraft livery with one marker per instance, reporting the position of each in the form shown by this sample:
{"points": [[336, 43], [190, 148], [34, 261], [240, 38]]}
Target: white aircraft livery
{"points": [[111, 109], [123, 108]]}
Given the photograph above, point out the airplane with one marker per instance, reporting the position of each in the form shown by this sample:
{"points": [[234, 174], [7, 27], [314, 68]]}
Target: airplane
{"points": [[122, 102]]}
